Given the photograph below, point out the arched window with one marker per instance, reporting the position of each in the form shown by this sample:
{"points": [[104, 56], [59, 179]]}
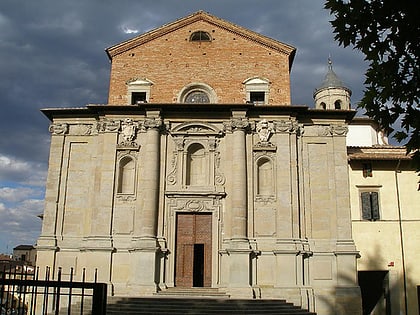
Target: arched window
{"points": [[337, 104], [323, 105], [200, 97], [265, 180], [199, 93], [126, 176], [196, 166], [200, 36]]}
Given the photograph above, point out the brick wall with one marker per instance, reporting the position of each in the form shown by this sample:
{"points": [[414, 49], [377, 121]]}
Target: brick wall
{"points": [[171, 62]]}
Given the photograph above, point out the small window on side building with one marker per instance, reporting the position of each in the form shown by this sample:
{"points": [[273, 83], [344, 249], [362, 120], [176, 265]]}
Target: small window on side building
{"points": [[367, 170], [370, 205]]}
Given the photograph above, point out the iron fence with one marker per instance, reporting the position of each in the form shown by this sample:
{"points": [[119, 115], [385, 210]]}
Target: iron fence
{"points": [[23, 293]]}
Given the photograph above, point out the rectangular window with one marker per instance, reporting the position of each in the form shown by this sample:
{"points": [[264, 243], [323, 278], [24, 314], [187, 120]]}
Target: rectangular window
{"points": [[370, 205], [367, 170], [257, 97], [138, 97]]}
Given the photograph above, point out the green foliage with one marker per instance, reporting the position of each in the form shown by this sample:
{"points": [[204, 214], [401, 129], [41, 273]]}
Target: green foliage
{"points": [[387, 32]]}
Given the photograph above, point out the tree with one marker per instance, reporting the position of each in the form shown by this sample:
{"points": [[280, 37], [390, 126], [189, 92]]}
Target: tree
{"points": [[387, 32]]}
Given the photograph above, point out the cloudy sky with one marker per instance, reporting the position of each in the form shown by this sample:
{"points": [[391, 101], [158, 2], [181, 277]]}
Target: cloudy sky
{"points": [[52, 55]]}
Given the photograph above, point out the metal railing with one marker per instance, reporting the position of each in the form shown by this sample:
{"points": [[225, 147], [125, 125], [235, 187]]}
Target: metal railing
{"points": [[23, 293]]}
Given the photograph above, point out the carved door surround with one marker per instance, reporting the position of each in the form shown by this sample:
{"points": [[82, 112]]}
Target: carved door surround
{"points": [[180, 206]]}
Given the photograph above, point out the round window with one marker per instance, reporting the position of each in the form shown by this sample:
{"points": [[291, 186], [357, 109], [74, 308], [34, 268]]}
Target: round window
{"points": [[197, 97]]}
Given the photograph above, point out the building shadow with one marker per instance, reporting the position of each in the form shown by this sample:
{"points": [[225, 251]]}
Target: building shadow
{"points": [[385, 289]]}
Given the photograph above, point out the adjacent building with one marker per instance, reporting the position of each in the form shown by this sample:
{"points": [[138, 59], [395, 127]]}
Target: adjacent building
{"points": [[386, 219], [25, 254]]}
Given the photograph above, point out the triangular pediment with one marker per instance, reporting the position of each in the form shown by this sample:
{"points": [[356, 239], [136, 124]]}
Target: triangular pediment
{"points": [[211, 19]]}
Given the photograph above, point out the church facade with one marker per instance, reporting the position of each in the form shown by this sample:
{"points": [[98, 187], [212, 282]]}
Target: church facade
{"points": [[199, 172]]}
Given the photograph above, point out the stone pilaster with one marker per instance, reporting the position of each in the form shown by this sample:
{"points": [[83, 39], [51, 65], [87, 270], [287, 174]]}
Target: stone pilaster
{"points": [[47, 242], [239, 249], [239, 183], [145, 246]]}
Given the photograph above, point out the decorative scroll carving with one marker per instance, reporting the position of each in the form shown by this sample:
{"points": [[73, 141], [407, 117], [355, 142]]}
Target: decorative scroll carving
{"points": [[193, 205], [81, 129], [339, 130], [239, 123], [285, 126], [196, 129], [200, 128], [171, 178], [153, 123], [109, 125], [265, 199], [212, 144], [219, 179], [126, 198], [317, 131], [180, 143], [59, 129], [236, 124]]}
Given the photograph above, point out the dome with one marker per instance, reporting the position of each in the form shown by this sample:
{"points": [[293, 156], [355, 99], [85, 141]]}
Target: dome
{"points": [[331, 80]]}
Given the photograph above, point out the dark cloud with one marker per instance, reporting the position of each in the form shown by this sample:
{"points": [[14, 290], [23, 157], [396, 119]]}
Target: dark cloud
{"points": [[52, 55]]}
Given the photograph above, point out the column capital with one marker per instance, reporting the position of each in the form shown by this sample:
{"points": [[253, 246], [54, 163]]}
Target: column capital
{"points": [[235, 124], [153, 123]]}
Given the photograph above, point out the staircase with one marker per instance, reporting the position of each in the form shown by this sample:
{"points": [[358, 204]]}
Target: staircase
{"points": [[198, 301]]}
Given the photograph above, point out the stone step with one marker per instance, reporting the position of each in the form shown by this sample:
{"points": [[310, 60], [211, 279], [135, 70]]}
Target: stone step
{"points": [[193, 292], [197, 305]]}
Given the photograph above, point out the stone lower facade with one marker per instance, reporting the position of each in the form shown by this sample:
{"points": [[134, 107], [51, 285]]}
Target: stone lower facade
{"points": [[254, 204]]}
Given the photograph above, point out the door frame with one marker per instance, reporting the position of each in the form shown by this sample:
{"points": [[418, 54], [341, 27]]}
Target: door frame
{"points": [[186, 245], [175, 205]]}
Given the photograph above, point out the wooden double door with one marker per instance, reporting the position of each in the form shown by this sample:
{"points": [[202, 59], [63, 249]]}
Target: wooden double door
{"points": [[193, 250]]}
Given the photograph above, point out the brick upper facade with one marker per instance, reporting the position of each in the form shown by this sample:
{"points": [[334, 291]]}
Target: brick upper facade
{"points": [[168, 59]]}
